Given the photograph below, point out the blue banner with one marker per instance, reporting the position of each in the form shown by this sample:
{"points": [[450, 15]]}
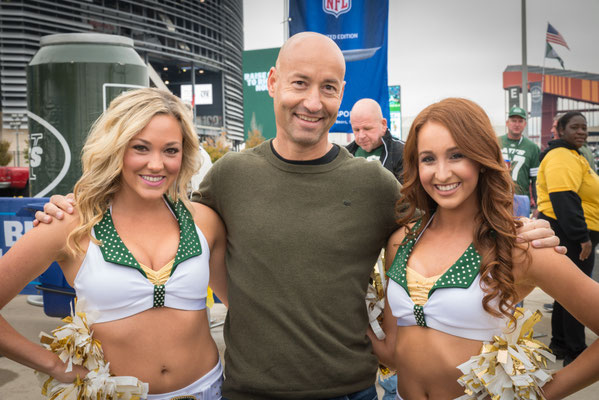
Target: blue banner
{"points": [[16, 218], [359, 27]]}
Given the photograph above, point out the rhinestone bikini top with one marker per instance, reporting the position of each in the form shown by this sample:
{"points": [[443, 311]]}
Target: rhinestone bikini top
{"points": [[454, 303], [113, 283]]}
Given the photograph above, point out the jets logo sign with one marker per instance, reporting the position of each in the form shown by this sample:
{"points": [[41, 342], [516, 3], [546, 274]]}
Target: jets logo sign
{"points": [[336, 7]]}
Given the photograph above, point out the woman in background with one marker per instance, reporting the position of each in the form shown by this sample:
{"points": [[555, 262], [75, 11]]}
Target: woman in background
{"points": [[568, 197]]}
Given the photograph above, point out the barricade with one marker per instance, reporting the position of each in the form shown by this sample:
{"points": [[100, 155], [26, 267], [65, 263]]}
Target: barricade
{"points": [[16, 217]]}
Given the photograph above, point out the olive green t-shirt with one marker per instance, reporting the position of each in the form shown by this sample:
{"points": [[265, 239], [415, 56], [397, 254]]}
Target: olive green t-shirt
{"points": [[301, 242]]}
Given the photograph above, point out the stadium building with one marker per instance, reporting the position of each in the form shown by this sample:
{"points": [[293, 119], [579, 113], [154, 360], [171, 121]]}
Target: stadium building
{"points": [[183, 42], [554, 91]]}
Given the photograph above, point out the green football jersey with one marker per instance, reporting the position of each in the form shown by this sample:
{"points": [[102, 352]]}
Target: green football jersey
{"points": [[523, 158], [374, 155]]}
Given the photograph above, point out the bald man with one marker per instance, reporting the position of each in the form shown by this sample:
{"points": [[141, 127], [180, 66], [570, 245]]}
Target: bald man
{"points": [[302, 241], [373, 139]]}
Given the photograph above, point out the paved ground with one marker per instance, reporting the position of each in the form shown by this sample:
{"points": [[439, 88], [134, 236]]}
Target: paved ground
{"points": [[18, 383]]}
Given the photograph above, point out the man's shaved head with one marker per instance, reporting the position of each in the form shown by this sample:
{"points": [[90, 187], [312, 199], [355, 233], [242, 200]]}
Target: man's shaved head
{"points": [[316, 41], [369, 106], [306, 85], [368, 124]]}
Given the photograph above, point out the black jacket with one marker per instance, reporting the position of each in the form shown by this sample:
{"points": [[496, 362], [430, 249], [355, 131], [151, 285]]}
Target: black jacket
{"points": [[392, 155], [567, 205]]}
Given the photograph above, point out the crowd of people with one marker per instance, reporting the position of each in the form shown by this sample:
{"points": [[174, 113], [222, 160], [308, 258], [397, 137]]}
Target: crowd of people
{"points": [[287, 233]]}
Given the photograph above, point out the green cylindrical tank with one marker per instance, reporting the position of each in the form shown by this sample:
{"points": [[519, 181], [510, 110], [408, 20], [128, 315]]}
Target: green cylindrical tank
{"points": [[70, 82]]}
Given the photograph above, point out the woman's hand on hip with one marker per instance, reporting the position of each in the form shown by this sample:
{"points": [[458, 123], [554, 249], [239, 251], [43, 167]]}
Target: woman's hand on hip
{"points": [[585, 250]]}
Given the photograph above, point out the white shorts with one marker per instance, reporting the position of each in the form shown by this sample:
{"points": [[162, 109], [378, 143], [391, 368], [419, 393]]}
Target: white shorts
{"points": [[208, 387]]}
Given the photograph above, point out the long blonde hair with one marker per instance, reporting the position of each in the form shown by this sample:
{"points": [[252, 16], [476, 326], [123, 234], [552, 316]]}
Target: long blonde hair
{"points": [[104, 149]]}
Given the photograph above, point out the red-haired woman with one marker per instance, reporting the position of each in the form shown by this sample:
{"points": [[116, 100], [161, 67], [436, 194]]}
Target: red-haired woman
{"points": [[446, 297]]}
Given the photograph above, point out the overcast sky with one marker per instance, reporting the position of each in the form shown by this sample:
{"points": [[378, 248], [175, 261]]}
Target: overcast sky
{"points": [[442, 48]]}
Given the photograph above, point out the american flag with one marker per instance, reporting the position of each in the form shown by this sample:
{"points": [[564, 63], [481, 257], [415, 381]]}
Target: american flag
{"points": [[553, 36]]}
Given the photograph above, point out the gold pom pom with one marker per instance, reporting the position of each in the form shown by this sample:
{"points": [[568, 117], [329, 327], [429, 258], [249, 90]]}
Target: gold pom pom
{"points": [[514, 366], [73, 344]]}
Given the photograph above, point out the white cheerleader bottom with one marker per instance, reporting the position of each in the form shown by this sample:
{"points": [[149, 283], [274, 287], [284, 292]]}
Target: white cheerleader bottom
{"points": [[208, 387]]}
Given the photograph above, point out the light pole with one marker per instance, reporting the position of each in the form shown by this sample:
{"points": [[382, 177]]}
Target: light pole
{"points": [[524, 65]]}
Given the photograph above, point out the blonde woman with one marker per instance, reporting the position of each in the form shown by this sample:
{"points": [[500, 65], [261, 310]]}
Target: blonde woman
{"points": [[136, 250]]}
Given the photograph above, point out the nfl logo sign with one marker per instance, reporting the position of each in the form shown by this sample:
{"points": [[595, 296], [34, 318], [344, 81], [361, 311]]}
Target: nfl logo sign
{"points": [[336, 7]]}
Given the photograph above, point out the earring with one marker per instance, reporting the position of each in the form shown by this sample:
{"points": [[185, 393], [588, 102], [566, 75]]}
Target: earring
{"points": [[483, 170]]}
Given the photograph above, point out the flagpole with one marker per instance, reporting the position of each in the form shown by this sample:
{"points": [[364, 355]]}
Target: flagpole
{"points": [[544, 60], [543, 88], [285, 20], [524, 64]]}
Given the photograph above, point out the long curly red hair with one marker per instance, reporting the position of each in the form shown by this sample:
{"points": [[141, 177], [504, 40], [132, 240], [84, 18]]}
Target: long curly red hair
{"points": [[495, 235]]}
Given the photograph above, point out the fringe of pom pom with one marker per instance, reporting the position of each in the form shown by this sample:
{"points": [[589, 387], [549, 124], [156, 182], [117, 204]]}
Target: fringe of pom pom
{"points": [[74, 345], [514, 366]]}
